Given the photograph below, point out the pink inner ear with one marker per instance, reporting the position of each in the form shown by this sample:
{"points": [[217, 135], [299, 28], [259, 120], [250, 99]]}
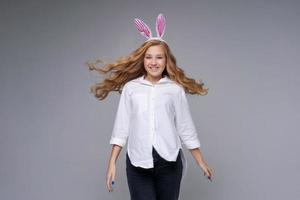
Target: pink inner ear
{"points": [[160, 25], [143, 28]]}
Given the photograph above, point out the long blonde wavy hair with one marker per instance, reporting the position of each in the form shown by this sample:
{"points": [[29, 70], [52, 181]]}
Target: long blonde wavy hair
{"points": [[127, 68]]}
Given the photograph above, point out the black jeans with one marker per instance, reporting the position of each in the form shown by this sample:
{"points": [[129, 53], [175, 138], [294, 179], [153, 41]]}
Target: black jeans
{"points": [[162, 182]]}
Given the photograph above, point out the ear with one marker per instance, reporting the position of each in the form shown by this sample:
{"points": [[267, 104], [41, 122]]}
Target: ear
{"points": [[160, 25], [143, 28]]}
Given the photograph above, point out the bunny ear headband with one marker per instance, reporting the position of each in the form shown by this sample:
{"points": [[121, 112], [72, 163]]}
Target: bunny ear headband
{"points": [[146, 31]]}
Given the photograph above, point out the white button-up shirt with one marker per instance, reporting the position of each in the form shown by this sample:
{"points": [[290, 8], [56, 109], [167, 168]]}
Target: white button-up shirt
{"points": [[155, 115]]}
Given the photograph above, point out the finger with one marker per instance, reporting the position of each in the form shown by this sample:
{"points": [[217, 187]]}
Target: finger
{"points": [[210, 176], [210, 172], [112, 181], [113, 185], [204, 171], [207, 173], [108, 183], [113, 177]]}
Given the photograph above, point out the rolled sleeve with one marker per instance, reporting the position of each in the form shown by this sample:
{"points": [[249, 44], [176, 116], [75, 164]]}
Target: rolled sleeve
{"points": [[120, 130], [184, 122]]}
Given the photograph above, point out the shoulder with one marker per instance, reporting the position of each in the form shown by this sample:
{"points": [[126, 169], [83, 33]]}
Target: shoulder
{"points": [[131, 84], [176, 87]]}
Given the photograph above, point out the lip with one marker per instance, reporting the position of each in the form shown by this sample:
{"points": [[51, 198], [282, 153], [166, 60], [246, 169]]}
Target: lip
{"points": [[154, 68]]}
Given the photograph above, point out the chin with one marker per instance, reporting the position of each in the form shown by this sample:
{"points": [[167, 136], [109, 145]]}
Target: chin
{"points": [[155, 75], [158, 73]]}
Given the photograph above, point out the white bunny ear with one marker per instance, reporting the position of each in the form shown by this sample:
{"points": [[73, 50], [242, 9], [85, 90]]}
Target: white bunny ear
{"points": [[143, 28], [160, 25]]}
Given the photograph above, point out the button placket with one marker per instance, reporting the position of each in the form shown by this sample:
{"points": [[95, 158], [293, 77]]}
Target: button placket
{"points": [[152, 112]]}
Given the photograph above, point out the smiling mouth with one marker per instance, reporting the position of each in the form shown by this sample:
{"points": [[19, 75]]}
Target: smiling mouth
{"points": [[153, 68]]}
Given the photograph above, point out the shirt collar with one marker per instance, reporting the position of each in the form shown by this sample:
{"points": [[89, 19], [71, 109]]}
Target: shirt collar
{"points": [[163, 80]]}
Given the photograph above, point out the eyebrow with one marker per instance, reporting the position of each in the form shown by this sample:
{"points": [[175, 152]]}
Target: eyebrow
{"points": [[147, 54]]}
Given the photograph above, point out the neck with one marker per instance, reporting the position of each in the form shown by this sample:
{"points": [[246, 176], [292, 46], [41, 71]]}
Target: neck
{"points": [[152, 79]]}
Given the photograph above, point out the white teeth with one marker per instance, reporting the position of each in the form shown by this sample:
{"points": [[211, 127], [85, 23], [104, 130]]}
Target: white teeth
{"points": [[154, 68]]}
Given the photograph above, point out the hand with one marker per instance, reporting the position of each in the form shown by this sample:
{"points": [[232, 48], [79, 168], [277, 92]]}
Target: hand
{"points": [[110, 176], [207, 170]]}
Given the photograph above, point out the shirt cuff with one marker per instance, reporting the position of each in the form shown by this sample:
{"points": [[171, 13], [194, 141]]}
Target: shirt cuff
{"points": [[118, 141], [193, 144]]}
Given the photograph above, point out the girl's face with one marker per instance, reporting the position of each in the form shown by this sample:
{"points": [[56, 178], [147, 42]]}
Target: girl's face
{"points": [[155, 61]]}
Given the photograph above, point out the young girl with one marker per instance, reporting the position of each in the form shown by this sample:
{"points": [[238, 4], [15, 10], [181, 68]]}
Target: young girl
{"points": [[153, 116]]}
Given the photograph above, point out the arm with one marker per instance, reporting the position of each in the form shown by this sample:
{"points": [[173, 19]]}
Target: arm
{"points": [[111, 169], [196, 153], [119, 135], [188, 133], [121, 127], [184, 122]]}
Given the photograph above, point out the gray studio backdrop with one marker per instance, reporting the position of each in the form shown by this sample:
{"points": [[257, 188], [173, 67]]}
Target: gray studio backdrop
{"points": [[54, 141]]}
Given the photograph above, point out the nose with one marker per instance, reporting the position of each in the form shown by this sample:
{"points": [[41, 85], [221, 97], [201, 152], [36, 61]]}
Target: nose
{"points": [[153, 62]]}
